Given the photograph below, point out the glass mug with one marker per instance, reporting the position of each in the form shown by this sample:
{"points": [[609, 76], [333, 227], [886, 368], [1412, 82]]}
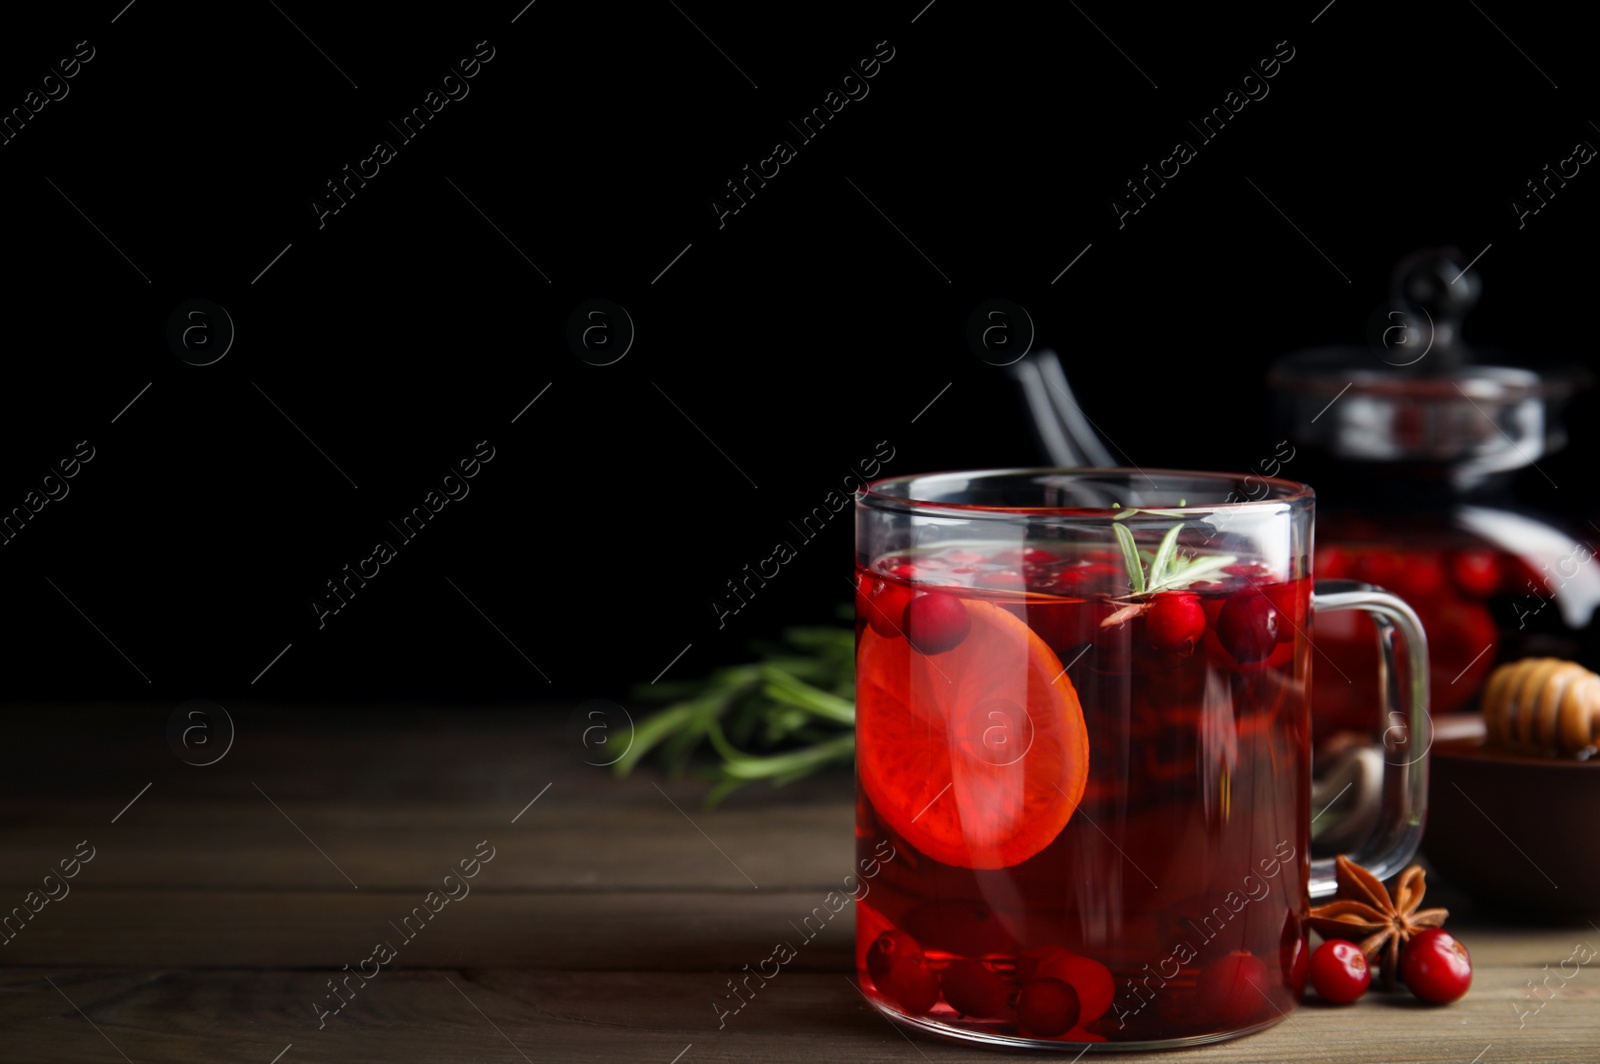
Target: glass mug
{"points": [[1084, 752]]}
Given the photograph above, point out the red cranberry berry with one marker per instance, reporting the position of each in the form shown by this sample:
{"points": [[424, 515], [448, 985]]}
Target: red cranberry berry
{"points": [[913, 987], [882, 605], [1234, 989], [1475, 572], [935, 623], [1248, 626], [888, 948], [1422, 581], [1175, 620], [1028, 960], [1046, 1008], [901, 973], [1289, 601], [1339, 971], [974, 989], [1088, 977], [1436, 967]]}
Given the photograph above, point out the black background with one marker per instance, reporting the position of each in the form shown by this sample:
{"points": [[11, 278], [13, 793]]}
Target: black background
{"points": [[816, 322]]}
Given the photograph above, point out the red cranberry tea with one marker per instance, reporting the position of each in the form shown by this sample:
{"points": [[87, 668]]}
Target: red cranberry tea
{"points": [[1091, 767]]}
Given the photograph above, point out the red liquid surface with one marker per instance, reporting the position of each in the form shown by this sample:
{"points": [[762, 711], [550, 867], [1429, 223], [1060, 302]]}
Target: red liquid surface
{"points": [[1162, 841]]}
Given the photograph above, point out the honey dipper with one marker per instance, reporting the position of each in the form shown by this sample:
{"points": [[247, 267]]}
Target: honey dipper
{"points": [[1542, 705]]}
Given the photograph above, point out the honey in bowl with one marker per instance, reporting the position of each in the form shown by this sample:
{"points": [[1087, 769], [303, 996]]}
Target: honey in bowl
{"points": [[1509, 816]]}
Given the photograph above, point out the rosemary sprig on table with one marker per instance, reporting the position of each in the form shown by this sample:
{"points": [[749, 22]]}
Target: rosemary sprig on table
{"points": [[780, 718], [791, 712]]}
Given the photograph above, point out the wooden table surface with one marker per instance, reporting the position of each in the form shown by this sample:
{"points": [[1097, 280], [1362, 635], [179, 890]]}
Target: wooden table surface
{"points": [[218, 905]]}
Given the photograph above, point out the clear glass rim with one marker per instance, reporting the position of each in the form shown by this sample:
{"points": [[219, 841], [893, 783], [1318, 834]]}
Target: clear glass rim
{"points": [[1281, 491]]}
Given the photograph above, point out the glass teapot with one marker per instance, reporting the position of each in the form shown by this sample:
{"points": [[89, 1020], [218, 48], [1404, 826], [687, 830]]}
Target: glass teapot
{"points": [[1418, 445]]}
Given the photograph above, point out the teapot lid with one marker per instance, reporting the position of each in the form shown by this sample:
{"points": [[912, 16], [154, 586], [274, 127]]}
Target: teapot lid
{"points": [[1417, 392]]}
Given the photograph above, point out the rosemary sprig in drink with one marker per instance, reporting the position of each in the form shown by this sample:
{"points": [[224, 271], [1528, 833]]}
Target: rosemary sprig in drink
{"points": [[1164, 569]]}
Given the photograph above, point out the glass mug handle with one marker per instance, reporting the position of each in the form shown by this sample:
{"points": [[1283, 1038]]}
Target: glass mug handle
{"points": [[1403, 702]]}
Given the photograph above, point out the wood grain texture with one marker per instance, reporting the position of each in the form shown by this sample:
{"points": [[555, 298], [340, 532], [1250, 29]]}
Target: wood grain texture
{"points": [[667, 932], [208, 923], [561, 843], [185, 1015]]}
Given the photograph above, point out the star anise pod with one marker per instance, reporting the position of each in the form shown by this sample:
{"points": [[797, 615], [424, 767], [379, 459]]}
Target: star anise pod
{"points": [[1363, 912]]}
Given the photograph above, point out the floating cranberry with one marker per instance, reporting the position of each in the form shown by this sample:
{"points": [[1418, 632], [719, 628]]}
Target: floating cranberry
{"points": [[1233, 989], [1248, 626], [1039, 556], [963, 557], [974, 989], [1003, 580], [1071, 579], [935, 623], [1339, 971], [883, 607], [901, 973], [1436, 967], [1175, 620], [1047, 582], [1046, 1008], [1475, 572]]}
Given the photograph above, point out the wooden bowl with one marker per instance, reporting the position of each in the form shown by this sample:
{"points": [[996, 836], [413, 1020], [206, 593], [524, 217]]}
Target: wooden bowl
{"points": [[1518, 834]]}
